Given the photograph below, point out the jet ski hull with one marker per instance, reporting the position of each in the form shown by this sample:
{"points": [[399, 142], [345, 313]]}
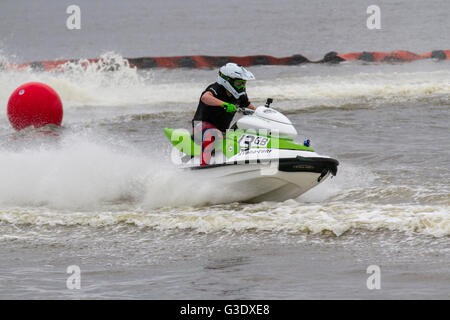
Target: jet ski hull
{"points": [[276, 181], [257, 160]]}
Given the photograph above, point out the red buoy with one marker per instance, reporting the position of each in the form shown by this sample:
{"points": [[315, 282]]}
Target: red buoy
{"points": [[34, 104]]}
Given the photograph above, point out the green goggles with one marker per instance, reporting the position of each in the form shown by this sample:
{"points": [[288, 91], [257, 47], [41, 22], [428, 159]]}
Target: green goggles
{"points": [[239, 84]]}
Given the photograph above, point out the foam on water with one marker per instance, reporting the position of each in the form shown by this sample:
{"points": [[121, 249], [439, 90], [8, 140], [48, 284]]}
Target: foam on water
{"points": [[82, 171], [82, 181], [290, 216], [77, 173], [87, 84], [360, 89], [84, 83]]}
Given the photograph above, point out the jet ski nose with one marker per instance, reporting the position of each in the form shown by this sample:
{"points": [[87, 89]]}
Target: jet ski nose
{"points": [[311, 164]]}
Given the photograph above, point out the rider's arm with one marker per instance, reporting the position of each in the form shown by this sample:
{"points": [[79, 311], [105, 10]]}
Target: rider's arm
{"points": [[243, 101], [209, 99]]}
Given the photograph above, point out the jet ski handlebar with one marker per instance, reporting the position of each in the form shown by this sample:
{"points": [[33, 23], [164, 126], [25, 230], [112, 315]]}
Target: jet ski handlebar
{"points": [[246, 111]]}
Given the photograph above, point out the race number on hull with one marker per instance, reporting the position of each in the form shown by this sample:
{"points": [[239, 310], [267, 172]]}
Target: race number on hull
{"points": [[252, 141]]}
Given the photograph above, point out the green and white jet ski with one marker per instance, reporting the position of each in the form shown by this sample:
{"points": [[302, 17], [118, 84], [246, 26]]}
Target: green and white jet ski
{"points": [[258, 157]]}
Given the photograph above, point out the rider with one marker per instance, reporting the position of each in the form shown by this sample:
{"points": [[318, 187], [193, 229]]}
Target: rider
{"points": [[217, 106]]}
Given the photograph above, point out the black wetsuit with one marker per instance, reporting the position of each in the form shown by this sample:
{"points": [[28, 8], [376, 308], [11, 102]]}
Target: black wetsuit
{"points": [[217, 116]]}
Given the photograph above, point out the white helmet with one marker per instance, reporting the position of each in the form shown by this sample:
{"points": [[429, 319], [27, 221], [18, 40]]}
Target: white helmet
{"points": [[233, 77]]}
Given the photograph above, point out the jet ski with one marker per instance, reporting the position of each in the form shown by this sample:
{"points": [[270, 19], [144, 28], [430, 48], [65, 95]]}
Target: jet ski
{"points": [[257, 157]]}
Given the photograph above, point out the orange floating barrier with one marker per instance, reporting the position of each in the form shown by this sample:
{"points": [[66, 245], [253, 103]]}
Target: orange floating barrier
{"points": [[350, 56], [437, 54], [405, 55], [200, 61]]}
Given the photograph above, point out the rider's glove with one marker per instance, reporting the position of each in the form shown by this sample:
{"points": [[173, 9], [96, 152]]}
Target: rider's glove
{"points": [[229, 107]]}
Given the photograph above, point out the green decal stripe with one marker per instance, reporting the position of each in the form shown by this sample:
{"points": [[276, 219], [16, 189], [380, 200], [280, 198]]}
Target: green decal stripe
{"points": [[181, 139], [288, 144]]}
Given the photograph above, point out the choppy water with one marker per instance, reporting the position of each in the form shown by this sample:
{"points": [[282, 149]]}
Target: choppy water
{"points": [[103, 194]]}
